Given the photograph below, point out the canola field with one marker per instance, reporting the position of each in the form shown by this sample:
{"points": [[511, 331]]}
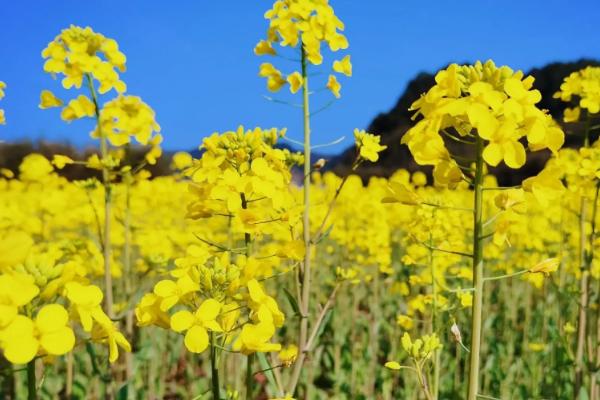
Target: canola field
{"points": [[252, 272]]}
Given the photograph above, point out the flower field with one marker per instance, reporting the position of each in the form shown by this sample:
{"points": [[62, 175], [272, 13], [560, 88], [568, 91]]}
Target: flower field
{"points": [[253, 272]]}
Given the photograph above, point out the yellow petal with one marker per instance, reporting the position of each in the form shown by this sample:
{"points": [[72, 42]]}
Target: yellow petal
{"points": [[58, 342], [181, 321], [51, 318], [196, 339], [21, 351], [208, 310]]}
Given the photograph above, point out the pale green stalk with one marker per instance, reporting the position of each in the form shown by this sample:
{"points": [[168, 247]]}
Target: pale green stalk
{"points": [[106, 247], [305, 280], [477, 308], [129, 318]]}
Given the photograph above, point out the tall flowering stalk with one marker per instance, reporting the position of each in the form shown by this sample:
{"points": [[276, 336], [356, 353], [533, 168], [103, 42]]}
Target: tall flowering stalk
{"points": [[83, 56], [490, 109], [214, 295], [582, 90], [305, 25]]}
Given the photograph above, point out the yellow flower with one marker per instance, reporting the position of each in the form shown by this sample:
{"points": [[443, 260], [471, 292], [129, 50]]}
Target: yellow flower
{"points": [[105, 331], [274, 78], [572, 114], [405, 322], [49, 100], [255, 338], [584, 85], [545, 186], [264, 47], [466, 298], [59, 161], [288, 355], [368, 145], [172, 292], [399, 193], [126, 117], [85, 300], [49, 334], [35, 168], [148, 312], [196, 338], [296, 81], [265, 306], [334, 86], [78, 108], [495, 103], [343, 66], [182, 160], [546, 266], [77, 52]]}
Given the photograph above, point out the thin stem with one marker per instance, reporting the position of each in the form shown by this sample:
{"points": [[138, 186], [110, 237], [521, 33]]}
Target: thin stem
{"points": [[476, 317], [31, 381], [305, 280], [320, 318], [458, 253], [129, 316], [446, 207], [331, 206], [106, 245], [214, 368], [436, 360], [422, 381], [495, 278], [249, 376], [108, 289]]}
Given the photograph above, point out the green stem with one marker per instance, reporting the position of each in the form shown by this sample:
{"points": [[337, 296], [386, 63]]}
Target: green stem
{"points": [[108, 295], [306, 270], [495, 278], [31, 381], [214, 368], [129, 319], [436, 358], [476, 317], [422, 381], [249, 377]]}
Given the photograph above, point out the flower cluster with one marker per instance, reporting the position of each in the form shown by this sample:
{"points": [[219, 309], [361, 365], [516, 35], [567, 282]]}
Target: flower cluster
{"points": [[126, 117], [35, 322], [82, 54], [480, 102], [307, 24], [367, 145], [77, 52], [583, 88], [418, 350], [215, 290]]}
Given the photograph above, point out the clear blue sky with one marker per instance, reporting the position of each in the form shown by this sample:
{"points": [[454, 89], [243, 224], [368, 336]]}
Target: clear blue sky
{"points": [[192, 60]]}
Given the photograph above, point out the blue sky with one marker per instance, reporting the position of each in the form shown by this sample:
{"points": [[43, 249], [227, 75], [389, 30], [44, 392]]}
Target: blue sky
{"points": [[192, 60]]}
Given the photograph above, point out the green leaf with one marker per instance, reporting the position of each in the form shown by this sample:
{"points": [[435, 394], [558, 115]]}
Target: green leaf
{"points": [[266, 365], [292, 302]]}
